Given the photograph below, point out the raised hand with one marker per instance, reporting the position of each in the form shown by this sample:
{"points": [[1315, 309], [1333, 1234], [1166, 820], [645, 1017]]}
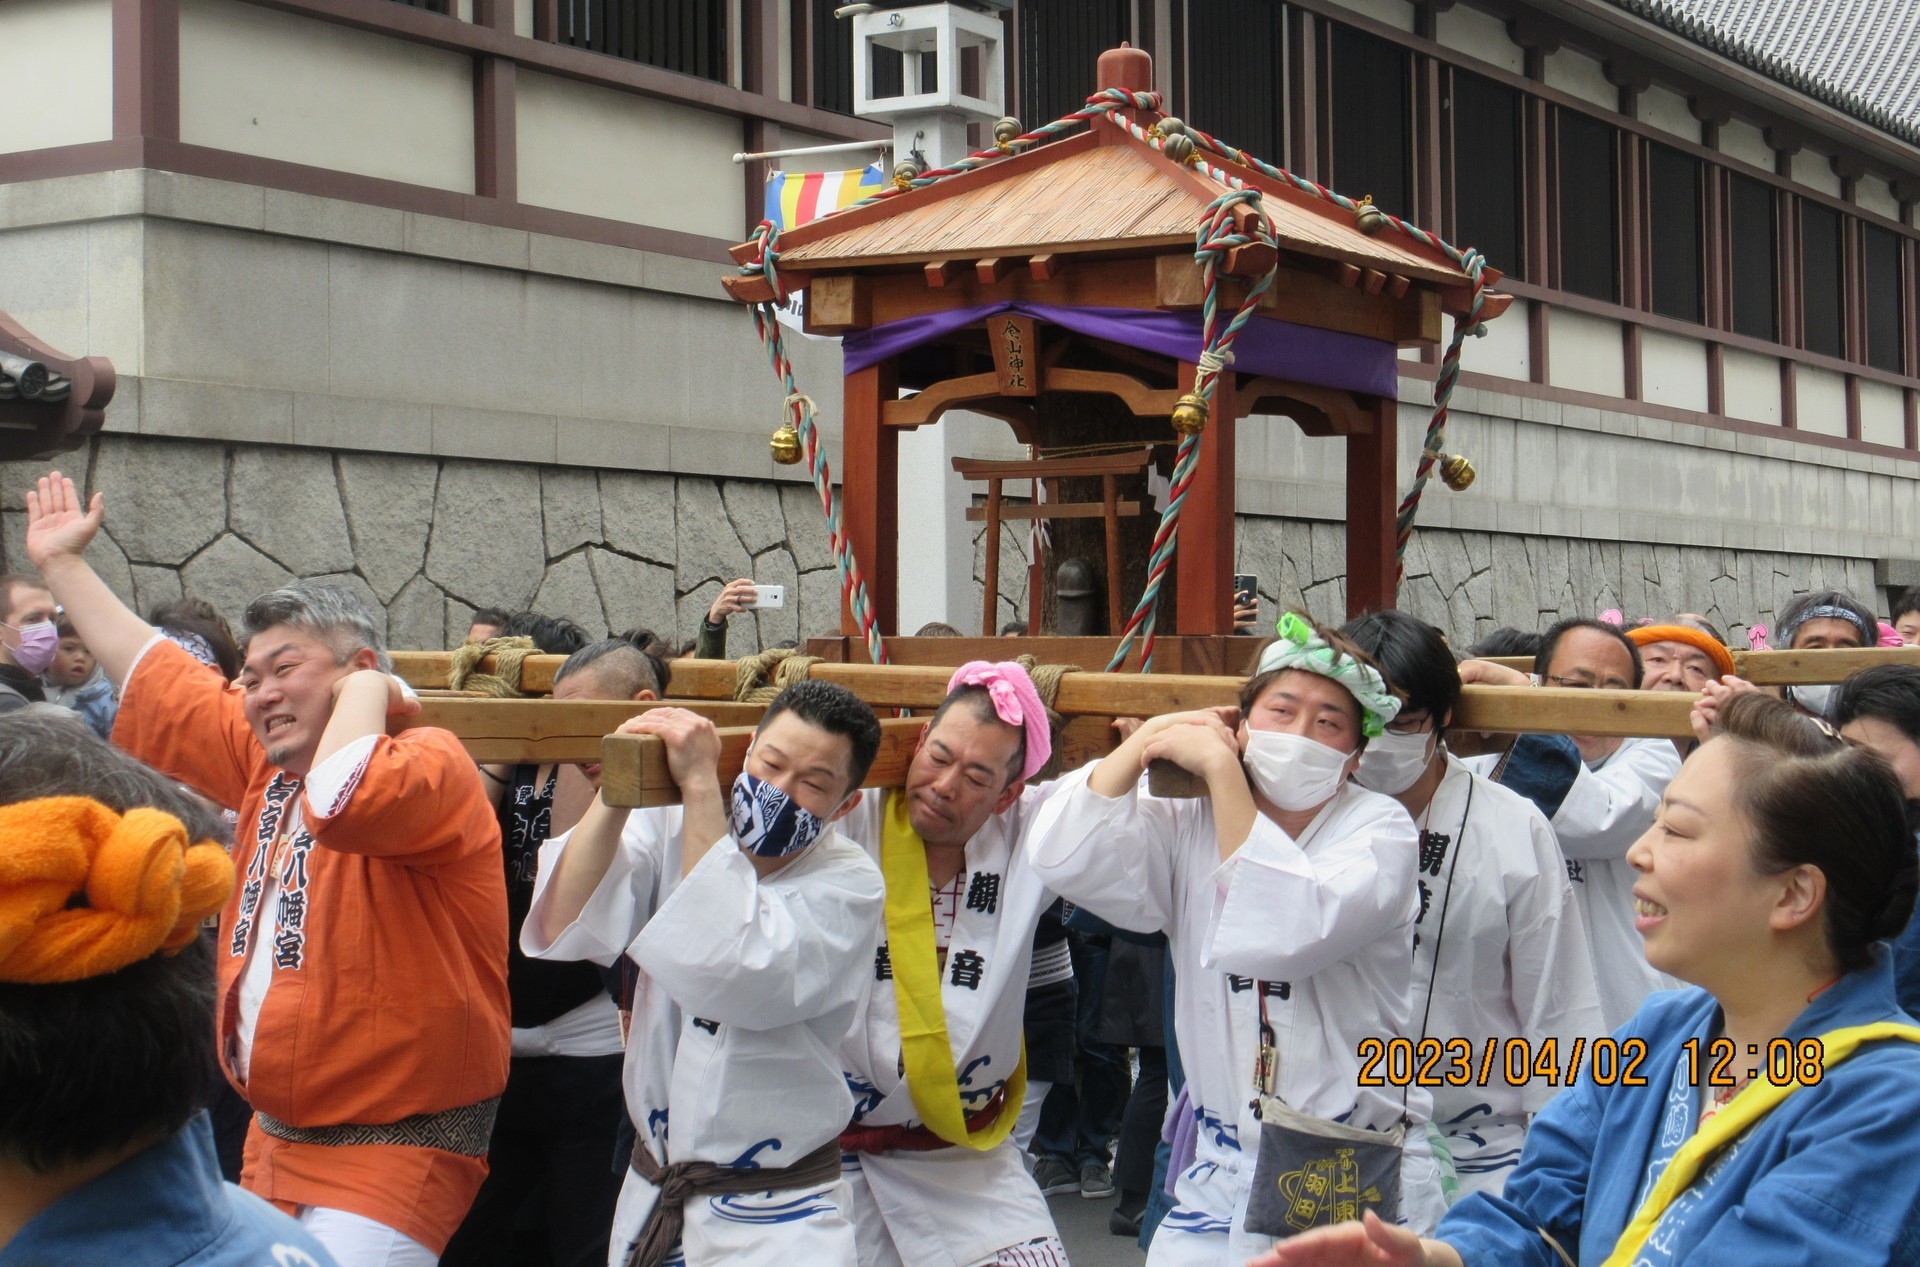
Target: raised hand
{"points": [[58, 524], [735, 596]]}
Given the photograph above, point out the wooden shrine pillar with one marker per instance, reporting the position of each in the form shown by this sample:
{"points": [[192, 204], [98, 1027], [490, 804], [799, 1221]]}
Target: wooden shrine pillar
{"points": [[1203, 559], [1371, 503], [870, 493]]}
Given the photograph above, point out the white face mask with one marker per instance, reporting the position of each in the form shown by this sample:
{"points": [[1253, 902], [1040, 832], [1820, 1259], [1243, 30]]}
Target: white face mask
{"points": [[1393, 763], [1815, 699], [1292, 771]]}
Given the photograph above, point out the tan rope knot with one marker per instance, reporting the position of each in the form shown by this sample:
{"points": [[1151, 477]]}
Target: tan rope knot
{"points": [[759, 678], [509, 654]]}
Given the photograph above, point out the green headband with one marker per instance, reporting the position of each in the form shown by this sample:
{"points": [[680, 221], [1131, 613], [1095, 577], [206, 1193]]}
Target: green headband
{"points": [[1298, 647]]}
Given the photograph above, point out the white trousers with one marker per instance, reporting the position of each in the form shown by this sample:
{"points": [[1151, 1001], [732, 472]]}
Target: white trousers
{"points": [[355, 1240]]}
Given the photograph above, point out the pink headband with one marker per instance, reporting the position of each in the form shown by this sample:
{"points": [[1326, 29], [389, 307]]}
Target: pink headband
{"points": [[1015, 702]]}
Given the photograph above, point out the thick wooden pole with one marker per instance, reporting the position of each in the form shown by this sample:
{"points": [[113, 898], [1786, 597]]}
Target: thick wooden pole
{"points": [[1370, 509], [1203, 559], [870, 493]]}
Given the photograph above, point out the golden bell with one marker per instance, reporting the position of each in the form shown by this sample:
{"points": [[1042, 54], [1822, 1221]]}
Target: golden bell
{"points": [[905, 173], [1178, 147], [1456, 472], [1170, 126], [1368, 218], [1005, 130], [1190, 414], [785, 445]]}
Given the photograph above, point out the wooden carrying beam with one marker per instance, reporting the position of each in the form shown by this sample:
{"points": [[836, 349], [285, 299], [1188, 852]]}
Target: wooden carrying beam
{"points": [[511, 731], [1790, 668]]}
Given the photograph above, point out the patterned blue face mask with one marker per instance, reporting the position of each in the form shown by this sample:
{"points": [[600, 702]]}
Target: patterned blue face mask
{"points": [[767, 822]]}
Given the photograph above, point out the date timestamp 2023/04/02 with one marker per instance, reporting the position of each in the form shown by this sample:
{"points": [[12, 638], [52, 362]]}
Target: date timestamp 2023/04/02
{"points": [[1460, 1062]]}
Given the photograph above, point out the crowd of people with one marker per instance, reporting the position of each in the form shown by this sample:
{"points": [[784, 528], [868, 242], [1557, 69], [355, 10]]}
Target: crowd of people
{"points": [[1394, 992]]}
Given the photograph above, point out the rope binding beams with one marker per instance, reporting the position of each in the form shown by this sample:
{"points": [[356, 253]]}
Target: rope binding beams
{"points": [[1234, 219]]}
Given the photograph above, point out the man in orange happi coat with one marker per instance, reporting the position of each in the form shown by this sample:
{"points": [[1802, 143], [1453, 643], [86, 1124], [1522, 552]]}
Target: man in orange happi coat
{"points": [[362, 958]]}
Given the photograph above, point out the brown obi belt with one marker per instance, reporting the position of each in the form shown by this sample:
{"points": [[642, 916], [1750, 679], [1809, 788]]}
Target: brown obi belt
{"points": [[465, 1131], [914, 1139], [683, 1180]]}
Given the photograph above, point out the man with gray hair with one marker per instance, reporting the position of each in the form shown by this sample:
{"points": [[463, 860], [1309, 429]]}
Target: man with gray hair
{"points": [[362, 957]]}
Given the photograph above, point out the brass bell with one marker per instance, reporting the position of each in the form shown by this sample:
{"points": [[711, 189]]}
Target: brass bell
{"points": [[1368, 218], [1170, 126], [905, 172], [785, 445], [1190, 414], [1456, 472], [1178, 147], [1005, 130]]}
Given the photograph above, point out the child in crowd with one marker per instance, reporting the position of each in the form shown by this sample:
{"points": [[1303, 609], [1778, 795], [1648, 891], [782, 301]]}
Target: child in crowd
{"points": [[75, 680]]}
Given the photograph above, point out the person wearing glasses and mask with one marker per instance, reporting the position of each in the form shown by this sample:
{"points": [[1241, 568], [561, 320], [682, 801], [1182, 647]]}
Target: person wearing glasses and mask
{"points": [[1500, 949], [1599, 794], [1288, 896]]}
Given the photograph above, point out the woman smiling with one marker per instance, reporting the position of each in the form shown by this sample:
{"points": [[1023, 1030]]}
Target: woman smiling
{"points": [[1769, 1120]]}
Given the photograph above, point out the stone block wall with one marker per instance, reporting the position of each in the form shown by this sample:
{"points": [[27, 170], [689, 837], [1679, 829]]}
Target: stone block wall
{"points": [[426, 541]]}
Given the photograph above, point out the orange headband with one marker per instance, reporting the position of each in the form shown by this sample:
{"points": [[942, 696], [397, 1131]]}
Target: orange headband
{"points": [[145, 888], [1721, 657]]}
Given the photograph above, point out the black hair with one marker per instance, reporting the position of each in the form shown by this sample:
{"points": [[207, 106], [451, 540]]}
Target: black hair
{"points": [[1413, 657], [937, 629], [628, 669], [92, 1066], [1810, 799], [1257, 683], [838, 711], [1550, 643], [197, 616], [980, 700], [11, 581], [1014, 629], [659, 653], [1886, 692], [1906, 604], [554, 635], [1859, 615], [490, 616], [1505, 641]]}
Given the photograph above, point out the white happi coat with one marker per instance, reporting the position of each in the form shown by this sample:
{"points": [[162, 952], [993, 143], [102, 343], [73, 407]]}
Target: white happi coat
{"points": [[952, 1207], [1328, 927], [1498, 910], [747, 988], [1610, 805]]}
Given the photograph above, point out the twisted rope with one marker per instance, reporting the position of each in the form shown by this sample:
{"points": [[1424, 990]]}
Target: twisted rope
{"points": [[757, 679], [509, 654], [1046, 684]]}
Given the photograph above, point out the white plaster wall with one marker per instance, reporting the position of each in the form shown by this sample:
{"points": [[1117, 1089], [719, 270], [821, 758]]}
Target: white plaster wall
{"points": [[1667, 111], [600, 152], [1822, 401], [1506, 349], [1673, 370], [1583, 77], [1751, 385], [1740, 139], [523, 18], [56, 73], [1883, 414], [1584, 353], [1480, 35], [1872, 193], [278, 86], [1395, 13], [1815, 170]]}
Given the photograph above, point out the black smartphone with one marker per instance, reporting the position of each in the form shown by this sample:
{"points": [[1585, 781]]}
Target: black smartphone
{"points": [[1245, 588]]}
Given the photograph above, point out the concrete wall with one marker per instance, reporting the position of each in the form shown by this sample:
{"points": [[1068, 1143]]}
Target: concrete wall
{"points": [[56, 73]]}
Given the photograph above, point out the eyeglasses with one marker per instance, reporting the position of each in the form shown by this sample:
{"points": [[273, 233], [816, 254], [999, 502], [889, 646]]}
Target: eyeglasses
{"points": [[1586, 684]]}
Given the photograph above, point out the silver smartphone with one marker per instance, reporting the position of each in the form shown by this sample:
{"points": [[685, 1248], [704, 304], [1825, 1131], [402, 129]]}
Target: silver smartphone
{"points": [[769, 596]]}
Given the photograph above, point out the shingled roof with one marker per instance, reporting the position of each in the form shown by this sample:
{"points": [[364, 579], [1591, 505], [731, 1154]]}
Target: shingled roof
{"points": [[1859, 56]]}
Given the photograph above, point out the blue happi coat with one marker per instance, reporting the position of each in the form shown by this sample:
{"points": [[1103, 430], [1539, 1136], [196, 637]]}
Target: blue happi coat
{"points": [[1829, 1176]]}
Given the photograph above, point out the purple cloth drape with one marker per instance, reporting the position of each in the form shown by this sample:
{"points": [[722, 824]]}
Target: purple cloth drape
{"points": [[1305, 354]]}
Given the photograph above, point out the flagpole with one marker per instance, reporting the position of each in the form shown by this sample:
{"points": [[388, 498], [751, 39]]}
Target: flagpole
{"points": [[838, 147]]}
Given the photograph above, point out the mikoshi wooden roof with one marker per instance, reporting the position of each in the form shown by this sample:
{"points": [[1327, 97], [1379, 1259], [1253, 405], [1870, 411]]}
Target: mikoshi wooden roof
{"points": [[1099, 192]]}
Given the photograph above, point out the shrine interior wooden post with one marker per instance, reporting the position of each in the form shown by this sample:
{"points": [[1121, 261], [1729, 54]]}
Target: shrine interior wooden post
{"points": [[1203, 559], [1371, 503], [870, 493]]}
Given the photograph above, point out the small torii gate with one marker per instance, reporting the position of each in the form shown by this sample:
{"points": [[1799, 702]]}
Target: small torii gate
{"points": [[1057, 289]]}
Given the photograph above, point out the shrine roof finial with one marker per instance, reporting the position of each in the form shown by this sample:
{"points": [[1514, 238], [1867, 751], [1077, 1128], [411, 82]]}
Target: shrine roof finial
{"points": [[1126, 67]]}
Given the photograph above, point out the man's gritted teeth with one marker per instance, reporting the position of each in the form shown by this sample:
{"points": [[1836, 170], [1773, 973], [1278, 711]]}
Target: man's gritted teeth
{"points": [[278, 722]]}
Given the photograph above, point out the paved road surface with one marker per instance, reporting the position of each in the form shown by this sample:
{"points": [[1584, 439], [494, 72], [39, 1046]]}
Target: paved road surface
{"points": [[1083, 1226]]}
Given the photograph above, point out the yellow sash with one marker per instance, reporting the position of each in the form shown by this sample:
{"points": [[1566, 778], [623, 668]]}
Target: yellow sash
{"points": [[1753, 1103], [924, 1049]]}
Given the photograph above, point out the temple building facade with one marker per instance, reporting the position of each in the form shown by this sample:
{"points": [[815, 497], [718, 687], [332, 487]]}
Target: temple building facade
{"points": [[425, 297]]}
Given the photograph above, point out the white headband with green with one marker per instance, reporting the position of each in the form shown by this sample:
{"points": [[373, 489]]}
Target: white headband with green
{"points": [[1299, 647]]}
